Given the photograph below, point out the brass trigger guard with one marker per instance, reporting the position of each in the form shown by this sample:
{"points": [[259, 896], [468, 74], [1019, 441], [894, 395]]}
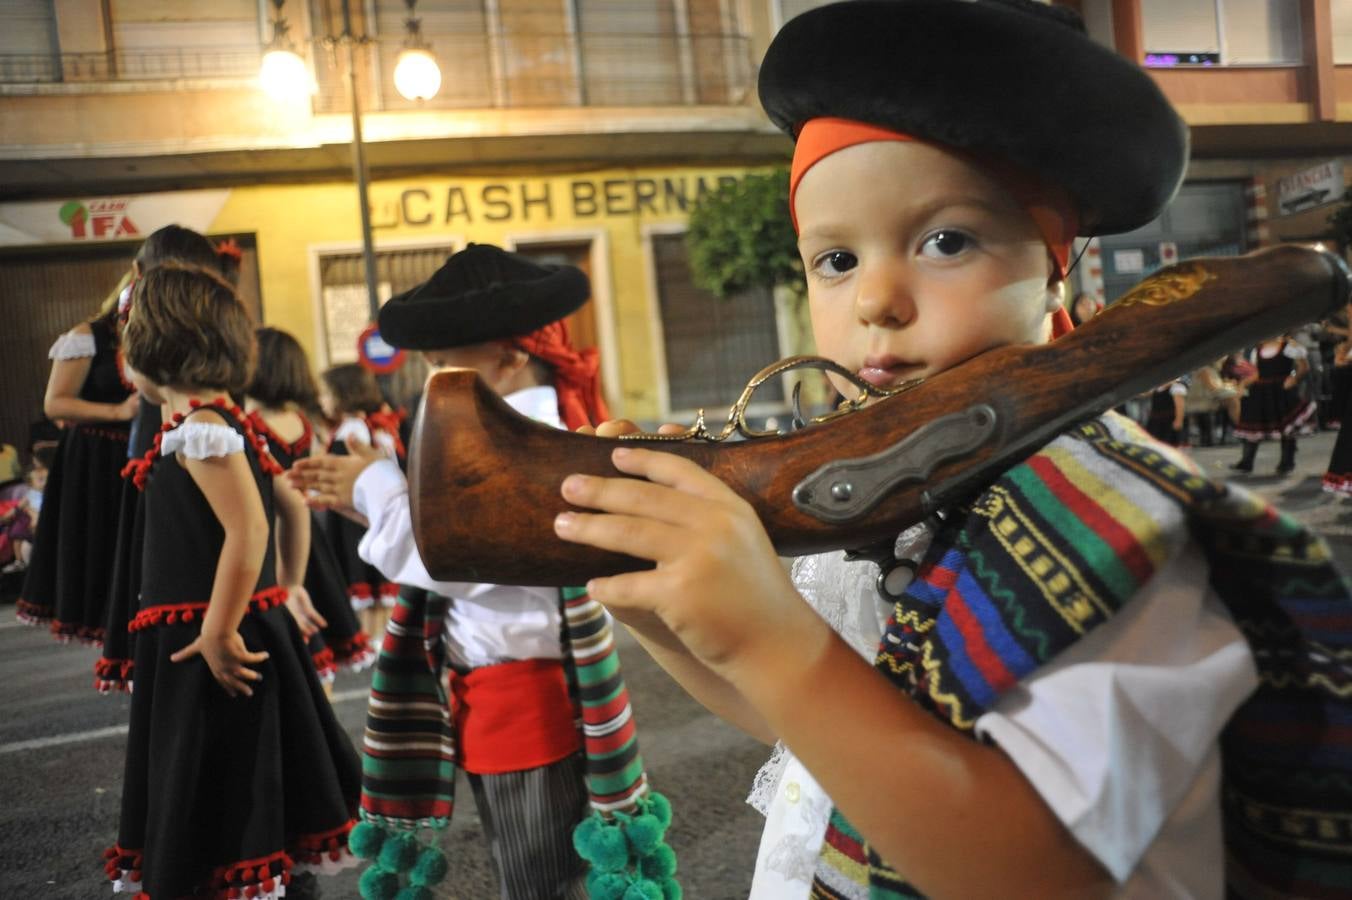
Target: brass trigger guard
{"points": [[737, 424]]}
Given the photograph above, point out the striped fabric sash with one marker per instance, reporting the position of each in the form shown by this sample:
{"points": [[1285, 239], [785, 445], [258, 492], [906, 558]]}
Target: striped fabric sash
{"points": [[409, 750], [1051, 551]]}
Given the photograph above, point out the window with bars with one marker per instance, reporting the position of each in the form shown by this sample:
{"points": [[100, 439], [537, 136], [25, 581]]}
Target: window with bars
{"points": [[712, 346], [161, 39], [343, 297], [540, 53]]}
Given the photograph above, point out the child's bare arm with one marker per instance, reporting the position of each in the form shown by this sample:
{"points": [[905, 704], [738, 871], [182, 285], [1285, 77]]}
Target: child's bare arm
{"points": [[886, 763], [62, 400], [293, 555], [228, 485]]}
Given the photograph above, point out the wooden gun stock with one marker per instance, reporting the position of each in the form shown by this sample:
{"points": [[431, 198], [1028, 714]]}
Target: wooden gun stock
{"points": [[485, 480]]}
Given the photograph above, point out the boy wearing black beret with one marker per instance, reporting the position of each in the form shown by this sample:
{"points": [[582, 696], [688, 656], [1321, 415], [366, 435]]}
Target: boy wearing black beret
{"points": [[1063, 702]]}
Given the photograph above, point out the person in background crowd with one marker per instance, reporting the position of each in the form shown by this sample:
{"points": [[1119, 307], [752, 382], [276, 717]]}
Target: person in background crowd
{"points": [[113, 670], [352, 401], [1209, 394], [1273, 408], [67, 582], [1084, 308], [280, 393], [1167, 418]]}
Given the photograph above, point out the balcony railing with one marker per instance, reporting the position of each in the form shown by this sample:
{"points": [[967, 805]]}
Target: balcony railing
{"points": [[479, 71], [131, 65]]}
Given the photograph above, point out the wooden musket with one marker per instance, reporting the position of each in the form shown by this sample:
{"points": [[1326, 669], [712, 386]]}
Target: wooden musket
{"points": [[485, 480]]}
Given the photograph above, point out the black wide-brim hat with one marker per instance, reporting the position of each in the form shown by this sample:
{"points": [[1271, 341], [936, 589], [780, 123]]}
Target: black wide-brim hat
{"points": [[483, 293], [1015, 80]]}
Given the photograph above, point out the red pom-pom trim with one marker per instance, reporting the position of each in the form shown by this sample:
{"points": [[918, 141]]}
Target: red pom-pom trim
{"points": [[170, 613]]}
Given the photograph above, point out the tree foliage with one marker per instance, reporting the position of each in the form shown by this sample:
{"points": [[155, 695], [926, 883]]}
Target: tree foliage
{"points": [[740, 236]]}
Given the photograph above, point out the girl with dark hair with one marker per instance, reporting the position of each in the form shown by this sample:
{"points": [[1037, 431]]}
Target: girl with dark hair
{"points": [[114, 669], [278, 399], [351, 399], [237, 773], [67, 580]]}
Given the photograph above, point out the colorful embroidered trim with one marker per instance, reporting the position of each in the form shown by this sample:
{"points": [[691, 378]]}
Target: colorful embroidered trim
{"points": [[173, 613], [120, 435]]}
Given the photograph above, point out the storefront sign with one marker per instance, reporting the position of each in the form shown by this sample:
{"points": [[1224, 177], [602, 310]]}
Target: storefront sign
{"points": [[1128, 262], [93, 219], [1310, 188], [538, 200]]}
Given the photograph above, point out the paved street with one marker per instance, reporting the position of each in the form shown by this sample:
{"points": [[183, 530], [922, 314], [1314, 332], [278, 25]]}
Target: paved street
{"points": [[61, 746]]}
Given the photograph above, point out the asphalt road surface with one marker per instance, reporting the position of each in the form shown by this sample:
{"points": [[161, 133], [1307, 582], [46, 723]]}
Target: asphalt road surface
{"points": [[61, 746]]}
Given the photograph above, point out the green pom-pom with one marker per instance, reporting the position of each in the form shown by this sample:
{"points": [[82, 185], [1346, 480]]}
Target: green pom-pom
{"points": [[365, 839], [645, 833], [584, 834], [604, 847], [658, 865], [657, 805], [671, 890], [606, 885], [415, 892], [430, 868], [643, 890], [378, 884], [400, 852]]}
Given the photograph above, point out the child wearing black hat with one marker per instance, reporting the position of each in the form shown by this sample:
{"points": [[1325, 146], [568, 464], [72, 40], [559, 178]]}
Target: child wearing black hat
{"points": [[1045, 709], [514, 685]]}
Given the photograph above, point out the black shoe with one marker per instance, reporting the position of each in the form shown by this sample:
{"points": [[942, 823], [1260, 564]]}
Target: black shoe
{"points": [[1242, 467], [1286, 470]]}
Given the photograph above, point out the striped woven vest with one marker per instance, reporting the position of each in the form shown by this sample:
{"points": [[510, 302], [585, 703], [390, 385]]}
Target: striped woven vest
{"points": [[1056, 546]]}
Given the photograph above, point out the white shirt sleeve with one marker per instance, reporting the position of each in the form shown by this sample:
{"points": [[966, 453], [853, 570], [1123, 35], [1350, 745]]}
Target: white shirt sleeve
{"points": [[381, 495], [1295, 351], [72, 345], [202, 440], [1114, 732], [1178, 389]]}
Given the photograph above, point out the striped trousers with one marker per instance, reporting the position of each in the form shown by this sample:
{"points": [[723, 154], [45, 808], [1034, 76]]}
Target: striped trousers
{"points": [[529, 818]]}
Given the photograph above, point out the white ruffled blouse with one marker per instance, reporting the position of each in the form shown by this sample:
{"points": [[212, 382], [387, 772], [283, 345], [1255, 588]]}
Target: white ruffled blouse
{"points": [[72, 345], [202, 440]]}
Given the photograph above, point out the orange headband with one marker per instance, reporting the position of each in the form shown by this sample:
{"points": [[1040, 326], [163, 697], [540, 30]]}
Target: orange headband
{"points": [[1050, 207]]}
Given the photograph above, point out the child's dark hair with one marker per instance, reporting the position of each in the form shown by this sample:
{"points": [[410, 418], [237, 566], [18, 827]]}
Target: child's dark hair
{"points": [[354, 389], [174, 242], [188, 329], [282, 374]]}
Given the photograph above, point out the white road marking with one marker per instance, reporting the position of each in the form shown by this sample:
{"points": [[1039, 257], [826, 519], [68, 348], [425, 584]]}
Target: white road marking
{"points": [[97, 734]]}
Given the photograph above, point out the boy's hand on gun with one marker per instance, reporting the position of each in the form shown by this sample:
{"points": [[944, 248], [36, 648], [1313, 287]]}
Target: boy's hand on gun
{"points": [[718, 587], [302, 609], [228, 659], [327, 481]]}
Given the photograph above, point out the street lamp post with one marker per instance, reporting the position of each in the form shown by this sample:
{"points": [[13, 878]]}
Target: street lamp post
{"points": [[416, 76]]}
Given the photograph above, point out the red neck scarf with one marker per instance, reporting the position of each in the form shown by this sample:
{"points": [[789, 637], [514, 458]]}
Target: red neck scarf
{"points": [[576, 374]]}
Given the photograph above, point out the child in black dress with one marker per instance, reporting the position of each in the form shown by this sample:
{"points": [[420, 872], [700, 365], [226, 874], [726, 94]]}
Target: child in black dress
{"points": [[280, 394], [67, 581], [1273, 408], [351, 398], [237, 772]]}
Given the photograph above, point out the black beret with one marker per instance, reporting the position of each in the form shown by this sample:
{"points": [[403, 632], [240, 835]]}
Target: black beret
{"points": [[483, 293], [1010, 79]]}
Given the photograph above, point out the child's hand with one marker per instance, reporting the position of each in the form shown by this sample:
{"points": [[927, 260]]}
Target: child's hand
{"points": [[127, 409], [298, 603], [718, 586], [617, 427], [226, 656], [327, 481]]}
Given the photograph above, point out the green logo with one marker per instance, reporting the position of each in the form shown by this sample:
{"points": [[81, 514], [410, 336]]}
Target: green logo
{"points": [[71, 210]]}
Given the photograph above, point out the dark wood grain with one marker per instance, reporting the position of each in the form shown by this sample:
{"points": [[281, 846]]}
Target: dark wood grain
{"points": [[485, 480]]}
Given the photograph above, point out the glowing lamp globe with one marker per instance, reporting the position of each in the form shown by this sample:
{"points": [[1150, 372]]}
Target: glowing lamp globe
{"points": [[283, 75], [417, 75]]}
